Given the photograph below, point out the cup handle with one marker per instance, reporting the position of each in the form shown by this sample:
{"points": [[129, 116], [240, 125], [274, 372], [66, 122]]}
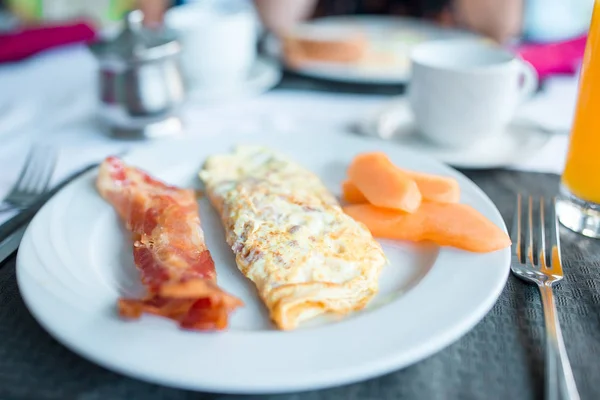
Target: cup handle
{"points": [[530, 80]]}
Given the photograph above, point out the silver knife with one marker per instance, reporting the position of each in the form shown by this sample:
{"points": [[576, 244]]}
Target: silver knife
{"points": [[9, 245], [12, 230]]}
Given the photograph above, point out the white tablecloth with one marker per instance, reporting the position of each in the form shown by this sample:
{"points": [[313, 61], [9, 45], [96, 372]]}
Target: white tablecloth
{"points": [[51, 99]]}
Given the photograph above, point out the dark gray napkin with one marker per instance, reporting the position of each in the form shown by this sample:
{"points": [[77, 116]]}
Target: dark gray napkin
{"points": [[501, 358]]}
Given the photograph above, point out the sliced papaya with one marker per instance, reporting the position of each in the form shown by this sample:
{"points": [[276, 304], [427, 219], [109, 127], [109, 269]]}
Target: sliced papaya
{"points": [[383, 184], [436, 188], [446, 224]]}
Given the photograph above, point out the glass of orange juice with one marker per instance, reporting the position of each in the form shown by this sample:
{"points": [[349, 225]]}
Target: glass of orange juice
{"points": [[578, 205]]}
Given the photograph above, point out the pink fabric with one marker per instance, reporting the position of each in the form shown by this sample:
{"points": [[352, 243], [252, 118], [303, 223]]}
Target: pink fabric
{"points": [[556, 58], [29, 41]]}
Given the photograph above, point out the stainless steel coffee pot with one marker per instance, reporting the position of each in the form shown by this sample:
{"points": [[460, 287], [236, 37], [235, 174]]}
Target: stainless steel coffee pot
{"points": [[142, 87]]}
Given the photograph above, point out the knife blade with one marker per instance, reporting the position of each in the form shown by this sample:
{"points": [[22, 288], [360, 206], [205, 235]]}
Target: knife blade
{"points": [[13, 230], [9, 245]]}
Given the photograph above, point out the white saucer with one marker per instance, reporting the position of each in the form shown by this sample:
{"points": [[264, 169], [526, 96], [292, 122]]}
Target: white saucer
{"points": [[263, 76], [395, 123]]}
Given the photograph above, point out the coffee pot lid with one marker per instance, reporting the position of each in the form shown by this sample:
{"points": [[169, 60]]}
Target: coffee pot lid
{"points": [[137, 43]]}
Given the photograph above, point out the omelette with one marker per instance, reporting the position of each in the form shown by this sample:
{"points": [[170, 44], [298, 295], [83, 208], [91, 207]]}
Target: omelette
{"points": [[290, 236]]}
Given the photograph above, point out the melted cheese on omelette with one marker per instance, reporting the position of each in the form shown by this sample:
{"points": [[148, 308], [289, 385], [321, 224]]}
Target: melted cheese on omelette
{"points": [[290, 236]]}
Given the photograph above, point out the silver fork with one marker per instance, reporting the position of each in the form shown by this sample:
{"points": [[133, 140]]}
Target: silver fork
{"points": [[531, 262], [33, 180]]}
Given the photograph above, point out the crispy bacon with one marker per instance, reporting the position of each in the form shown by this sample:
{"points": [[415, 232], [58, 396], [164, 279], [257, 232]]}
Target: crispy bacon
{"points": [[168, 249]]}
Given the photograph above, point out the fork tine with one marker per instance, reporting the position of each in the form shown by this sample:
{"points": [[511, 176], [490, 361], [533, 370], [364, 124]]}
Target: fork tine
{"points": [[30, 183], [47, 171], [34, 177], [515, 232], [50, 170], [37, 168], [529, 251], [26, 170], [43, 169], [555, 258], [541, 239]]}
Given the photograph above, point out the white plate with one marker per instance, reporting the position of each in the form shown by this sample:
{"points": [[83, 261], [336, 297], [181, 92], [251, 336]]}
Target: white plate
{"points": [[394, 123], [263, 76], [75, 261], [397, 33]]}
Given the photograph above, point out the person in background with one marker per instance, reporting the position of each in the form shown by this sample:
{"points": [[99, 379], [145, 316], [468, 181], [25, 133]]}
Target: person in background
{"points": [[502, 20], [554, 20], [154, 11]]}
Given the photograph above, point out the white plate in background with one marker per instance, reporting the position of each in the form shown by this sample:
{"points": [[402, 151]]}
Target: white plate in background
{"points": [[263, 76], [399, 34]]}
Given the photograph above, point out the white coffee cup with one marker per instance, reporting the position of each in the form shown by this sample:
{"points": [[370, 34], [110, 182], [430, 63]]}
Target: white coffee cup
{"points": [[218, 41], [465, 90]]}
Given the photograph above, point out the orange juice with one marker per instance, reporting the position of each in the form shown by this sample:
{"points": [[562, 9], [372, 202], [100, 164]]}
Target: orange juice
{"points": [[582, 171]]}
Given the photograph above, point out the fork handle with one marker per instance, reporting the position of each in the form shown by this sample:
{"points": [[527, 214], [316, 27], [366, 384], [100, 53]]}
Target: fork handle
{"points": [[560, 384]]}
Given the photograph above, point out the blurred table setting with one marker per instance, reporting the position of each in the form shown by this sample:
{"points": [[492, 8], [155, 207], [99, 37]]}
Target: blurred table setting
{"points": [[104, 85]]}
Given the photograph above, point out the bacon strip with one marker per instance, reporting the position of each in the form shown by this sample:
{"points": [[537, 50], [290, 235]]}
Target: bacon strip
{"points": [[168, 249]]}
